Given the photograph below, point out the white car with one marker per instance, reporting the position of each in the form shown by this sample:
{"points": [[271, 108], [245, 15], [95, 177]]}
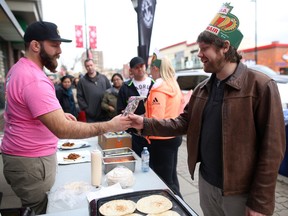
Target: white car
{"points": [[189, 79]]}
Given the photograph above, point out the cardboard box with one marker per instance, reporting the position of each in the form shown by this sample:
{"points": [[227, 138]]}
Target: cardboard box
{"points": [[115, 140]]}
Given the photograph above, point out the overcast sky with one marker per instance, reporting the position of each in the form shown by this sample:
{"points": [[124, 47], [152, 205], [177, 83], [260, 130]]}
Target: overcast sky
{"points": [[174, 22]]}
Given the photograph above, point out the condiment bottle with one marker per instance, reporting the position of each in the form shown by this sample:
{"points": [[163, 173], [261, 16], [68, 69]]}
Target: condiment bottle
{"points": [[96, 167]]}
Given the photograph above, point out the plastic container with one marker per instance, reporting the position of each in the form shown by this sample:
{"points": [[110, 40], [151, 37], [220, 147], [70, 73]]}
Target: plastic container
{"points": [[96, 167], [145, 157]]}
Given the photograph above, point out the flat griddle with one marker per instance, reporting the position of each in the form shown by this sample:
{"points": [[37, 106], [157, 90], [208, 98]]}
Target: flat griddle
{"points": [[94, 205]]}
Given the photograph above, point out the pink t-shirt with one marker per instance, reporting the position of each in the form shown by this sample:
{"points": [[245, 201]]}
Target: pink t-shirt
{"points": [[29, 93]]}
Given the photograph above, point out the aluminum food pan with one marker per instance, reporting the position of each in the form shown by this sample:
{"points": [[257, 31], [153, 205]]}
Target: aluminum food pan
{"points": [[178, 206], [110, 163], [117, 152]]}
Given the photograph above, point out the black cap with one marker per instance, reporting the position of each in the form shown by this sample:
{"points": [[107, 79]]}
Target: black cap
{"points": [[136, 61], [41, 31]]}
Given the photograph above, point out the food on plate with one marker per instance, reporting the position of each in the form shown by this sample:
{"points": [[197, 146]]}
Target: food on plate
{"points": [[72, 156], [117, 207], [68, 144], [166, 213], [154, 204]]}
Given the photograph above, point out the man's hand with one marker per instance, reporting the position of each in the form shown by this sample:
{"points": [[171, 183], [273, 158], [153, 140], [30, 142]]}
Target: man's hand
{"points": [[119, 123], [136, 121]]}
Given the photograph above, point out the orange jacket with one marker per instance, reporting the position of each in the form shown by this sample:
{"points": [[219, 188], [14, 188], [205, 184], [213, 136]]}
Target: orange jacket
{"points": [[164, 101]]}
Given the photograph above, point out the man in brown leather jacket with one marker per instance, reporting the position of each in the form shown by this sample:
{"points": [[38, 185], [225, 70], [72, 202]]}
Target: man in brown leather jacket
{"points": [[234, 125]]}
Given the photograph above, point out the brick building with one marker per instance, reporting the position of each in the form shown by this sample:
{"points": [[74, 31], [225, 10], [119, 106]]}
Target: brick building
{"points": [[184, 55], [274, 55]]}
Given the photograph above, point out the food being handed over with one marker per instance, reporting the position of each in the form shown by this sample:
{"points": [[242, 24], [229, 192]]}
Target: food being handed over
{"points": [[132, 104]]}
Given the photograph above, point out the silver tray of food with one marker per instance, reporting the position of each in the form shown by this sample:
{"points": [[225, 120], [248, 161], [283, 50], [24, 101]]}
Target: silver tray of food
{"points": [[110, 163], [117, 152]]}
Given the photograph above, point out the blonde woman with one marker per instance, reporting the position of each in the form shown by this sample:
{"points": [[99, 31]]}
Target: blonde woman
{"points": [[163, 103]]}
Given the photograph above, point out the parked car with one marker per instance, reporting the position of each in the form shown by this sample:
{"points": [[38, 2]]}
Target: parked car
{"points": [[281, 80], [189, 79], [271, 73]]}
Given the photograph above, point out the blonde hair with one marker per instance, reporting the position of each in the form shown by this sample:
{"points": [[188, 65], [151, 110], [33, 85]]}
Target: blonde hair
{"points": [[166, 70]]}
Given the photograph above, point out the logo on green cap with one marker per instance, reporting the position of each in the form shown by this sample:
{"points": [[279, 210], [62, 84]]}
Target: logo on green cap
{"points": [[225, 26]]}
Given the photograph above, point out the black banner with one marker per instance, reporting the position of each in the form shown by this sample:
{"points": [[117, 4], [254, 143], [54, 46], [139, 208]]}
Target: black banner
{"points": [[145, 14]]}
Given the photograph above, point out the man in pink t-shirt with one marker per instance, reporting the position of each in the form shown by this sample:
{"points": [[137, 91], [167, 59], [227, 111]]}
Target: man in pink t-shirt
{"points": [[34, 119]]}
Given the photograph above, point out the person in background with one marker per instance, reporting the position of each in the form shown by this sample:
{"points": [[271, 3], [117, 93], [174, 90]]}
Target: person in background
{"points": [[74, 91], [109, 101], [53, 79], [90, 91], [164, 102], [139, 85], [34, 119], [234, 124], [65, 95]]}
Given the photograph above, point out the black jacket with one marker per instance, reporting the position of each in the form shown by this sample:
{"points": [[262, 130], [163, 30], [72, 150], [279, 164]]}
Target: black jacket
{"points": [[126, 91], [66, 100]]}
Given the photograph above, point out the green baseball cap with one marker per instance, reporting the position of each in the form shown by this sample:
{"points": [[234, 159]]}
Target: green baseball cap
{"points": [[156, 59], [225, 26]]}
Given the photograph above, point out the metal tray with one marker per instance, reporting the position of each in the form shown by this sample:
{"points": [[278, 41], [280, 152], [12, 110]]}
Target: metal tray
{"points": [[117, 152], [110, 163], [94, 205]]}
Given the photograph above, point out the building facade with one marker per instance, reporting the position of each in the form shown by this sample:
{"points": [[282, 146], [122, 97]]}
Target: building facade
{"points": [[184, 56], [15, 16]]}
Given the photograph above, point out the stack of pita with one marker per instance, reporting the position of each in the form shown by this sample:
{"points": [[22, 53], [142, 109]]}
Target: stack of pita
{"points": [[117, 208], [154, 204], [121, 175], [167, 213]]}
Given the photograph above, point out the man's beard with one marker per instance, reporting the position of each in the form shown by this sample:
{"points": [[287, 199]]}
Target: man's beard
{"points": [[47, 60]]}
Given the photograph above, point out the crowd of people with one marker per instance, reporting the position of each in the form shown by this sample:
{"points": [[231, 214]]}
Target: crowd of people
{"points": [[233, 121]]}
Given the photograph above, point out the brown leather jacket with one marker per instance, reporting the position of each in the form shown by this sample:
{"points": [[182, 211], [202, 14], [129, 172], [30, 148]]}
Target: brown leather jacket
{"points": [[253, 135]]}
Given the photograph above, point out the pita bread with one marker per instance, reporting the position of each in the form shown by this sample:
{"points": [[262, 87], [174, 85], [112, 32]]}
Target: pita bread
{"points": [[154, 204], [167, 213], [117, 207]]}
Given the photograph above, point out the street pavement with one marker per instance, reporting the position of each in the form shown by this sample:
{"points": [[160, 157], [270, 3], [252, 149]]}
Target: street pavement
{"points": [[189, 188]]}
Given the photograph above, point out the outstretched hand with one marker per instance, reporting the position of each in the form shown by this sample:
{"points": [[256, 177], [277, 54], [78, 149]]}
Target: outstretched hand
{"points": [[119, 123], [136, 121]]}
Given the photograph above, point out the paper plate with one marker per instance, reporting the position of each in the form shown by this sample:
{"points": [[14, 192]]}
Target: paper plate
{"points": [[84, 157], [77, 144]]}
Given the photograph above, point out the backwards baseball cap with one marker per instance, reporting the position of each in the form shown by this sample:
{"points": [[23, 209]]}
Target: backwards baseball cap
{"points": [[136, 61], [41, 31], [225, 26]]}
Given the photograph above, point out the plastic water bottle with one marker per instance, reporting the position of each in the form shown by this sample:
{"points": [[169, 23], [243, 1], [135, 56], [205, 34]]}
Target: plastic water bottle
{"points": [[145, 156]]}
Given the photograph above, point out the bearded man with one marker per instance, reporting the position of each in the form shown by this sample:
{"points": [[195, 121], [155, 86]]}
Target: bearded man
{"points": [[34, 119]]}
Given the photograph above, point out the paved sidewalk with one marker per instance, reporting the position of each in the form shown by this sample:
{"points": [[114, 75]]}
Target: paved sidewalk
{"points": [[189, 188]]}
